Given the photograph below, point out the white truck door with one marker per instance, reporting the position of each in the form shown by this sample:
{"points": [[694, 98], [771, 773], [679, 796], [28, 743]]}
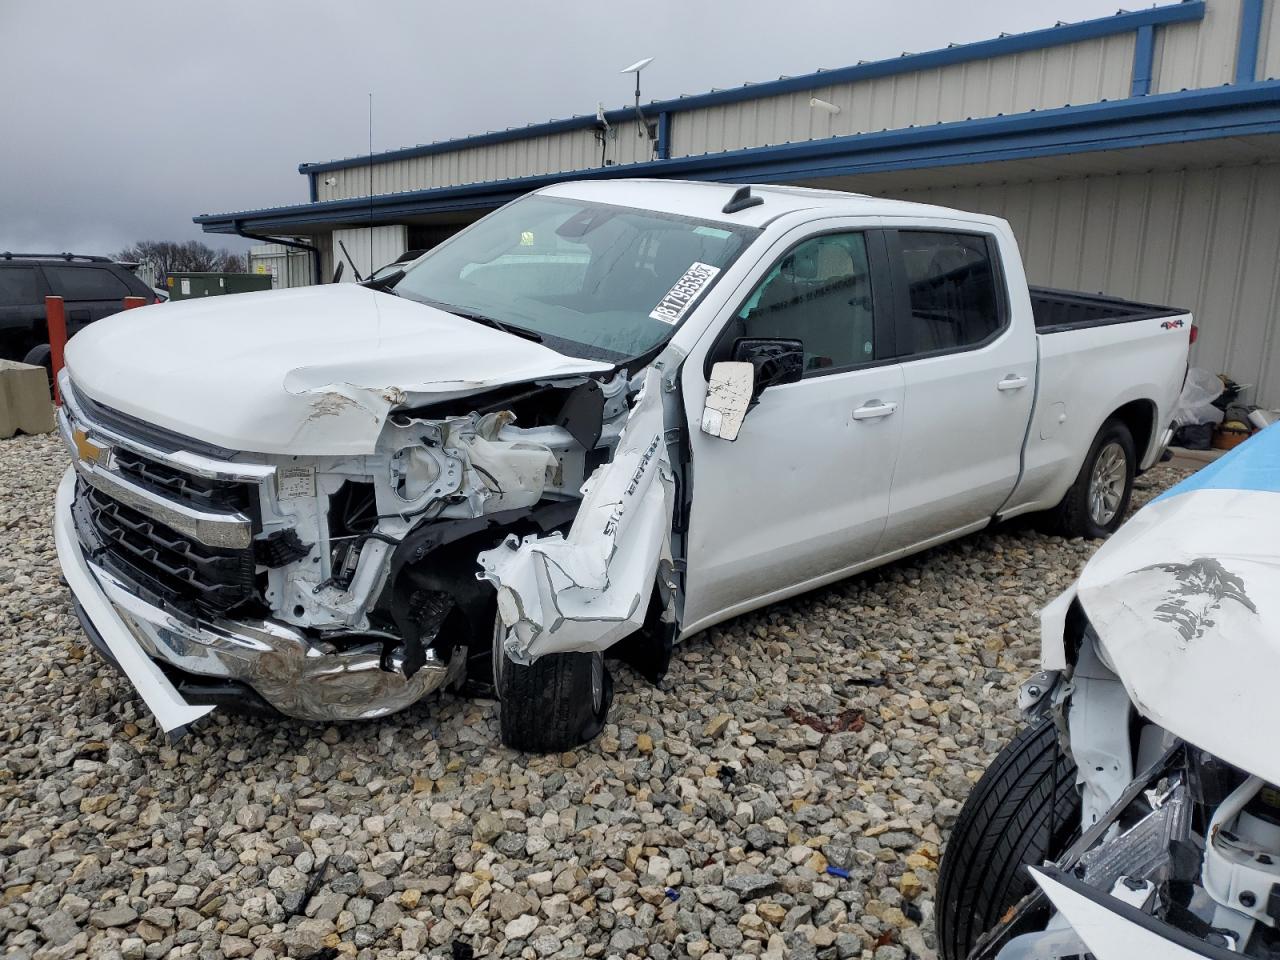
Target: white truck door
{"points": [[802, 493], [966, 340]]}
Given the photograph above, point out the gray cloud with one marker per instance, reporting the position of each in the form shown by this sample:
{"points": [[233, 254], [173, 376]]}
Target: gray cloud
{"points": [[122, 120]]}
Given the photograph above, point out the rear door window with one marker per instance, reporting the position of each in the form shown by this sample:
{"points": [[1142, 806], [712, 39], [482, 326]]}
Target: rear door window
{"points": [[86, 283], [952, 293], [18, 286]]}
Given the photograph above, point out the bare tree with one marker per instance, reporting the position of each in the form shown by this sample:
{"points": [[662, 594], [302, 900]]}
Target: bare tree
{"points": [[166, 256]]}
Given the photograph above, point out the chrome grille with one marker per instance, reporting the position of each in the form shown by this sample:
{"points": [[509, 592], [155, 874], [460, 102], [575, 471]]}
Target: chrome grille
{"points": [[200, 492], [171, 569]]}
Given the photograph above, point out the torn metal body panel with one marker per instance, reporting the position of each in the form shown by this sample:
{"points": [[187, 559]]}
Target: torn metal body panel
{"points": [[1165, 648], [329, 606], [586, 590], [1186, 598]]}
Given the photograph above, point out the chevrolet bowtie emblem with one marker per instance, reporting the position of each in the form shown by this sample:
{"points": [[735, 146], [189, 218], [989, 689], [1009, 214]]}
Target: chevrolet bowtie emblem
{"points": [[86, 449]]}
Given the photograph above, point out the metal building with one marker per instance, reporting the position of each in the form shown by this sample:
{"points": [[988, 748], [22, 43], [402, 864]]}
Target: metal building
{"points": [[1137, 154]]}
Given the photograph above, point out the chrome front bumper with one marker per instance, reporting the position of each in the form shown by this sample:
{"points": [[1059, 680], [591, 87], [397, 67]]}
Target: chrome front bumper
{"points": [[298, 677]]}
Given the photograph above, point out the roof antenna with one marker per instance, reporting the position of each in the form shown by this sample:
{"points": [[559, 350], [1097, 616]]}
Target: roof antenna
{"points": [[635, 68], [602, 134], [741, 200]]}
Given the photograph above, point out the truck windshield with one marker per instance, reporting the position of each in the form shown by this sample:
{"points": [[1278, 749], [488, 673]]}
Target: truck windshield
{"points": [[590, 279]]}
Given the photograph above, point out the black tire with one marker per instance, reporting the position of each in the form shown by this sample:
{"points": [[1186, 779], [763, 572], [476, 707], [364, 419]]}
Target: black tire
{"points": [[41, 356], [1073, 516], [1029, 790], [558, 702]]}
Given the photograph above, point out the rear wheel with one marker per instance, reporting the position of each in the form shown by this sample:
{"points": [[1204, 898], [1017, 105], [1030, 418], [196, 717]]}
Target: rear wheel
{"points": [[1024, 810], [556, 703], [1097, 502], [41, 356]]}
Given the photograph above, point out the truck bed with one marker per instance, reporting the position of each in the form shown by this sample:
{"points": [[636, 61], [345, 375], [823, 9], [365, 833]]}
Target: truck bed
{"points": [[1059, 310]]}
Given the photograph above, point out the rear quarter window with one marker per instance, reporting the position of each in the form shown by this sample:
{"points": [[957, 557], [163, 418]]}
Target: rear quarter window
{"points": [[18, 286], [86, 283]]}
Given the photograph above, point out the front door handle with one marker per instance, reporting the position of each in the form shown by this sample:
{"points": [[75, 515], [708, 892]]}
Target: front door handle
{"points": [[874, 410], [1012, 382]]}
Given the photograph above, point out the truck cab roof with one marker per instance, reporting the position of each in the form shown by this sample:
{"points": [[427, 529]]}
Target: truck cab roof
{"points": [[706, 201]]}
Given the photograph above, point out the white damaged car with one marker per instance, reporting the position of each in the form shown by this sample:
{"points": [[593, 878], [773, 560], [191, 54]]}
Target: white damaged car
{"points": [[599, 420], [1138, 815]]}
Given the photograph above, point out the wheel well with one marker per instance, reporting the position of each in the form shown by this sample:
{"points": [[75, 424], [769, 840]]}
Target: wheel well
{"points": [[1140, 417]]}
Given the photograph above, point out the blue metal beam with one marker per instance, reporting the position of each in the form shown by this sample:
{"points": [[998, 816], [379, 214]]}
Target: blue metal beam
{"points": [[1187, 10], [664, 135], [1142, 121], [1144, 55], [1247, 43]]}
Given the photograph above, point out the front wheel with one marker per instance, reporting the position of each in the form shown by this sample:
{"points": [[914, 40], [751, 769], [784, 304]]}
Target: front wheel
{"points": [[1024, 810], [554, 704], [1098, 500]]}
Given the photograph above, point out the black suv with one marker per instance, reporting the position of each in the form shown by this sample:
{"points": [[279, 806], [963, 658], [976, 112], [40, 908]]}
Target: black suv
{"points": [[91, 287]]}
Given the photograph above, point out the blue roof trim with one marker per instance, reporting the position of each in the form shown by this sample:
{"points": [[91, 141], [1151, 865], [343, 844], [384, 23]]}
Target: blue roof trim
{"points": [[1254, 465], [1144, 56], [1247, 44], [1160, 118], [1122, 22]]}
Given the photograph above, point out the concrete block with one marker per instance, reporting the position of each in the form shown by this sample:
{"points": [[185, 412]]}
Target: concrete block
{"points": [[25, 404]]}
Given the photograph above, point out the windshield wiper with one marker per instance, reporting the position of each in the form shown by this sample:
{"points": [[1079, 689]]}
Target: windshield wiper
{"points": [[476, 317], [385, 283]]}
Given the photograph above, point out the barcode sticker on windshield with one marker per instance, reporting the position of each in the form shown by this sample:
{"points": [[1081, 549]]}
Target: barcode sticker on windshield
{"points": [[672, 308]]}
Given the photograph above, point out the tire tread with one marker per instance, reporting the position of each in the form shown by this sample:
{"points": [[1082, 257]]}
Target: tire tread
{"points": [[545, 707], [1003, 825]]}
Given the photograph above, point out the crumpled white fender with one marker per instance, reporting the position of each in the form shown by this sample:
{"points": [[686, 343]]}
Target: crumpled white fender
{"points": [[586, 591]]}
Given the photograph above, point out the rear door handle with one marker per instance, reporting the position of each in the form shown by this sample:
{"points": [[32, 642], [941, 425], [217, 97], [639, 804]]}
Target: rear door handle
{"points": [[1012, 382], [874, 410]]}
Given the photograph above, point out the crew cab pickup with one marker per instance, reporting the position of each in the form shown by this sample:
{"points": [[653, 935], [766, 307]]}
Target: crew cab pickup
{"points": [[603, 418]]}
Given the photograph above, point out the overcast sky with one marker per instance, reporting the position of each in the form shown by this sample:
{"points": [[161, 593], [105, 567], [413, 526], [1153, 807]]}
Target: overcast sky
{"points": [[121, 120]]}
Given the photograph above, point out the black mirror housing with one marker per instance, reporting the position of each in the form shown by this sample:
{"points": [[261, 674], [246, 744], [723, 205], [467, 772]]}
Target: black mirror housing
{"points": [[776, 361]]}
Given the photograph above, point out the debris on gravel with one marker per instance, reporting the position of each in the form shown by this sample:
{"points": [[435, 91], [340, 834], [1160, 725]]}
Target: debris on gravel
{"points": [[785, 791]]}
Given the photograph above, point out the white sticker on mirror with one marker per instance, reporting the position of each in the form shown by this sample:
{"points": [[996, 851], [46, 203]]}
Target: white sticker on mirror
{"points": [[728, 396], [672, 308]]}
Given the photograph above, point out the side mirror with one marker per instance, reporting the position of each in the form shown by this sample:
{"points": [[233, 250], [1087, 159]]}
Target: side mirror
{"points": [[775, 361], [337, 274], [735, 385]]}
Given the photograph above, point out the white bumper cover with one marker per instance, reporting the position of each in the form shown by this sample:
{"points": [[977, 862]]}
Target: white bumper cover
{"points": [[161, 697]]}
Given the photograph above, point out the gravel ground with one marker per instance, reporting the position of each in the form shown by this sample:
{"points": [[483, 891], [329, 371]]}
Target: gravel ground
{"points": [[840, 729]]}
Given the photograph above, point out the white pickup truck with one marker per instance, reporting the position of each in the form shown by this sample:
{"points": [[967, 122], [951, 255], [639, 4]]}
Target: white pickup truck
{"points": [[599, 420]]}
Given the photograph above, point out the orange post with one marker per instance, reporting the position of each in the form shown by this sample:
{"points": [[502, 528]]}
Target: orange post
{"points": [[56, 319], [131, 302]]}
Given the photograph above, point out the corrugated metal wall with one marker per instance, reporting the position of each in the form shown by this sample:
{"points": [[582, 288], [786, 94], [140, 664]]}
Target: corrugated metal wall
{"points": [[575, 150], [1269, 47], [388, 243], [1194, 54], [1204, 239], [1198, 54], [1100, 69], [288, 267]]}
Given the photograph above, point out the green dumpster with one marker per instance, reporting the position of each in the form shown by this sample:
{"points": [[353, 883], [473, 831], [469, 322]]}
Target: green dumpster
{"points": [[187, 286]]}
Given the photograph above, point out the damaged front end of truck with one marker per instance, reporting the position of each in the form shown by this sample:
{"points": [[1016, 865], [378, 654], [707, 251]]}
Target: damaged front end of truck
{"points": [[528, 520]]}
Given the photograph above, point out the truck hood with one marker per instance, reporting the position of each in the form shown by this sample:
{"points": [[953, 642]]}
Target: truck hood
{"points": [[1185, 599], [312, 371]]}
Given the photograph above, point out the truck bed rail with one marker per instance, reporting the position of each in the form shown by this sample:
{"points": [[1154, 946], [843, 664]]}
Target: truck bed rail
{"points": [[1059, 310]]}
